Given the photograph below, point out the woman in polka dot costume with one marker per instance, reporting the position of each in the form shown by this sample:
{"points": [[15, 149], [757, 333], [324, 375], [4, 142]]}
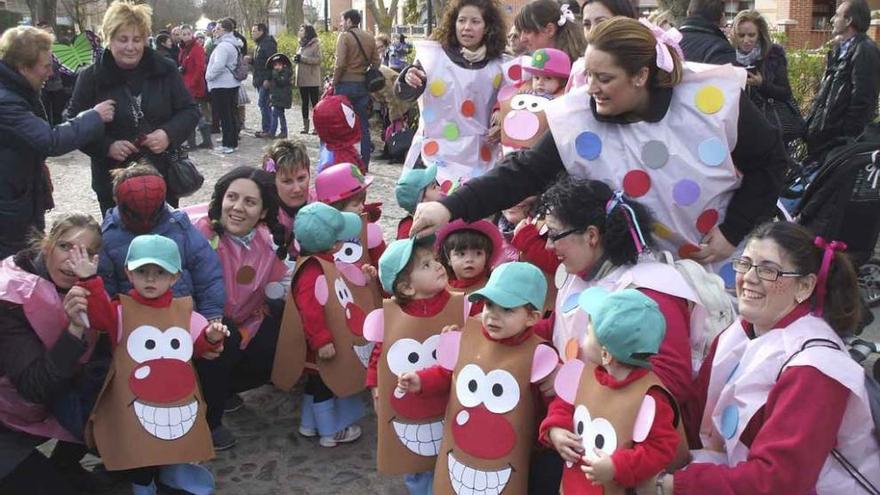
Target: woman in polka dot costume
{"points": [[455, 79], [779, 389], [678, 138]]}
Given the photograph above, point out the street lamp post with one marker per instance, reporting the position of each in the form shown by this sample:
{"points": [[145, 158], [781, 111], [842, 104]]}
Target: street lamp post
{"points": [[326, 16]]}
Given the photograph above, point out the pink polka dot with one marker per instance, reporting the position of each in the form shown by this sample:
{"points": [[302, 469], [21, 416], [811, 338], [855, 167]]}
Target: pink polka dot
{"points": [[706, 221], [514, 72], [636, 183]]}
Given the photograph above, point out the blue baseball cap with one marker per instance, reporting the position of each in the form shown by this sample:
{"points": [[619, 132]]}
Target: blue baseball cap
{"points": [[514, 284], [411, 186], [317, 227], [153, 249], [627, 323]]}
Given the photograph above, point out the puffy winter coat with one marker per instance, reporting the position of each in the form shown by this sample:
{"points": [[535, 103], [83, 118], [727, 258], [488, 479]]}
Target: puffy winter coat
{"points": [[192, 66], [202, 276], [26, 139], [266, 47], [280, 91]]}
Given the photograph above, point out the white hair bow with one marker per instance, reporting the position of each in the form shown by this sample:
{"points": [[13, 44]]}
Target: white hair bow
{"points": [[565, 15], [665, 40]]}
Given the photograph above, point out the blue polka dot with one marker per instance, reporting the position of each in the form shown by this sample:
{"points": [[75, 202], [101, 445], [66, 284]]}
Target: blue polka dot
{"points": [[712, 152], [588, 145], [571, 302], [727, 274], [732, 372], [729, 421], [430, 115], [685, 192]]}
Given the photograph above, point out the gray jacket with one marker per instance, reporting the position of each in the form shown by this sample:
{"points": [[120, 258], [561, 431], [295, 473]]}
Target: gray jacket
{"points": [[223, 59]]}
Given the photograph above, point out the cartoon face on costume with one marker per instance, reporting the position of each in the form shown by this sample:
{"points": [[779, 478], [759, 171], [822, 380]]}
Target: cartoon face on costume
{"points": [[418, 435], [162, 381], [351, 251], [595, 433], [354, 316], [336, 122], [522, 119]]}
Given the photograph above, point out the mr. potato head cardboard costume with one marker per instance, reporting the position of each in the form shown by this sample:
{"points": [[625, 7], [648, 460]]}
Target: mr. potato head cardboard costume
{"points": [[490, 426]]}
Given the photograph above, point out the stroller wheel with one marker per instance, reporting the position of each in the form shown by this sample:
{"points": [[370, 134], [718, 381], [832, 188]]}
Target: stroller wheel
{"points": [[869, 282]]}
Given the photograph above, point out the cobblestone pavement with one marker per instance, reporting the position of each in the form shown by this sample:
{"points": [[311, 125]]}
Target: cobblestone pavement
{"points": [[270, 457]]}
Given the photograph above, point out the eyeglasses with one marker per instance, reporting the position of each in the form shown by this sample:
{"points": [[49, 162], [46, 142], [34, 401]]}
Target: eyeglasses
{"points": [[556, 237], [767, 273]]}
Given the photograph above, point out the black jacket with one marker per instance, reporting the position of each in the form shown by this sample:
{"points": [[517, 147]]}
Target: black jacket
{"points": [[165, 102], [266, 47], [847, 98], [774, 70], [26, 139], [704, 42], [759, 156]]}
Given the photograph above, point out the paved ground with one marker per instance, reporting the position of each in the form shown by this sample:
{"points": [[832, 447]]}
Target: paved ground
{"points": [[270, 458]]}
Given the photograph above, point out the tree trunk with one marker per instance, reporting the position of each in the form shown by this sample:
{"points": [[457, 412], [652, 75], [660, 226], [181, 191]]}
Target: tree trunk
{"points": [[47, 10], [294, 15], [678, 8]]}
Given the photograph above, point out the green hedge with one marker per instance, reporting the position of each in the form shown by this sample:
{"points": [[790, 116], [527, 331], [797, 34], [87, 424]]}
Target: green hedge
{"points": [[288, 44], [805, 71], [8, 19]]}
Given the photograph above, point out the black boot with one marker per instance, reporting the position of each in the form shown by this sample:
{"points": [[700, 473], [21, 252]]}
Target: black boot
{"points": [[205, 131], [305, 129]]}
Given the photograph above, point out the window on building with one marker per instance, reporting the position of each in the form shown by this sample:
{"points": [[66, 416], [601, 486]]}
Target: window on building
{"points": [[823, 10]]}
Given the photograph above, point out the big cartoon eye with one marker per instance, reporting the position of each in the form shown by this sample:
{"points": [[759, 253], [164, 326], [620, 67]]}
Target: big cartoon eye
{"points": [[343, 293], [470, 385], [404, 356], [349, 115], [531, 103], [148, 342], [595, 433], [350, 252], [502, 392], [582, 420], [429, 350]]}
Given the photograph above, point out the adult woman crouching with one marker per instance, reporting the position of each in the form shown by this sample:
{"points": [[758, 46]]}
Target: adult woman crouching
{"points": [[155, 112], [786, 408]]}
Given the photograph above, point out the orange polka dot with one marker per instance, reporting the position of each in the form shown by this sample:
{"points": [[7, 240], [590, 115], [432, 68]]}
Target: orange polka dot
{"points": [[571, 349], [687, 250], [431, 148], [468, 109], [485, 153]]}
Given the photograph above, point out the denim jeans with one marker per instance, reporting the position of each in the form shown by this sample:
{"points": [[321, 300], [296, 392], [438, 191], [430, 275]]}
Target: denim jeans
{"points": [[360, 99], [278, 116], [265, 108]]}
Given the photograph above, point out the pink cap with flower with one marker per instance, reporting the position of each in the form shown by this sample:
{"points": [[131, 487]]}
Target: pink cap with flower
{"points": [[339, 182], [549, 62]]}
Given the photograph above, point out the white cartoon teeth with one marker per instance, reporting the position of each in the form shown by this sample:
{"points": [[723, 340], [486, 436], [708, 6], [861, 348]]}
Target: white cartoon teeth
{"points": [[422, 439], [166, 423], [469, 481], [363, 353]]}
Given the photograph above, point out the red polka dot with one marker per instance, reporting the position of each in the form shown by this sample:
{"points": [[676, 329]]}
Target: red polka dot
{"points": [[687, 250], [446, 186], [468, 109], [431, 148], [706, 221], [485, 153], [515, 72], [636, 183]]}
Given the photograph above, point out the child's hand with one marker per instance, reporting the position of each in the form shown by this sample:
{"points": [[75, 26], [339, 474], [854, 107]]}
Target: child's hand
{"points": [[409, 382], [450, 328], [81, 264], [370, 271], [566, 443], [601, 470], [327, 351], [216, 332]]}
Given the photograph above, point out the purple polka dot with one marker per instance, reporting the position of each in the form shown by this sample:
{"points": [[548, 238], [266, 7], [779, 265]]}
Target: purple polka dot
{"points": [[685, 192], [588, 145]]}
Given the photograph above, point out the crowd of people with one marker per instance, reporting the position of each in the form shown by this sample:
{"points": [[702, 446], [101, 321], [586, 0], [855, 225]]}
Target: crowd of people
{"points": [[548, 316]]}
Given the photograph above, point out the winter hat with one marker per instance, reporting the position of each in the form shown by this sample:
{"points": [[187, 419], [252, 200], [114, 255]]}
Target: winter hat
{"points": [[549, 62], [339, 182]]}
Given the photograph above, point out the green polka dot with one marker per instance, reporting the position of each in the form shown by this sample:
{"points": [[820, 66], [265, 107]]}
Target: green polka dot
{"points": [[450, 131]]}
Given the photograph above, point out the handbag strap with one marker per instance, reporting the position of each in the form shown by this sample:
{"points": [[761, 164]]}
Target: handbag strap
{"points": [[361, 48]]}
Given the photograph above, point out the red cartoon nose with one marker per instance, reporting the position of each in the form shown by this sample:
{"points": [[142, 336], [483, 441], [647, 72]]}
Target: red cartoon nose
{"points": [[412, 407], [355, 317], [162, 380], [482, 433]]}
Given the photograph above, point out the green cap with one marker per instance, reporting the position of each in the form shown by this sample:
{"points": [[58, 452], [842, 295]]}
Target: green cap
{"points": [[411, 186], [153, 250], [318, 227], [514, 284], [393, 261], [627, 323]]}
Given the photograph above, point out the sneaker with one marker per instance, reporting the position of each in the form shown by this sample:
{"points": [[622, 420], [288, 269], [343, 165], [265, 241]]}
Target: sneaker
{"points": [[233, 404], [261, 134], [349, 434], [223, 438], [308, 432], [221, 149]]}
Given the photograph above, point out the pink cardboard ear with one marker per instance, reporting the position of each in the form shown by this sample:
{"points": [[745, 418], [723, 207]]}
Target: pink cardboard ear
{"points": [[543, 362], [374, 325], [374, 235], [447, 349], [567, 380], [321, 290], [352, 273], [645, 419]]}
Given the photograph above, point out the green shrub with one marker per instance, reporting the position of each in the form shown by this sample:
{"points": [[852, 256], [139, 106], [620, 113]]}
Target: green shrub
{"points": [[805, 71], [289, 43]]}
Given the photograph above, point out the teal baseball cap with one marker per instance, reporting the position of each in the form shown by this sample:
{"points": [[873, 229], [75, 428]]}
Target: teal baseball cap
{"points": [[153, 250], [411, 186], [627, 323], [318, 226], [395, 258], [514, 284]]}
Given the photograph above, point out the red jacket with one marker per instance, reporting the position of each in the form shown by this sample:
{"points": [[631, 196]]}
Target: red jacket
{"points": [[192, 64]]}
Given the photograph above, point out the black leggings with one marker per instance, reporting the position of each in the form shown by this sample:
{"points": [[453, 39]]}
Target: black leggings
{"points": [[307, 94], [225, 101], [36, 475]]}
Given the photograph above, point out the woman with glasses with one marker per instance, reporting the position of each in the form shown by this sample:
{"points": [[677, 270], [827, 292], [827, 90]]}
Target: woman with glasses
{"points": [[786, 410], [601, 239]]}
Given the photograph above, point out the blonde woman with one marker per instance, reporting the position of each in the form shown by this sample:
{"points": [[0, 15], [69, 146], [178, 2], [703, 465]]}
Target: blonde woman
{"points": [[155, 112]]}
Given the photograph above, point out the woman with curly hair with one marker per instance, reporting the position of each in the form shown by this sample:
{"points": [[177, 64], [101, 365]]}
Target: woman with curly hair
{"points": [[242, 226], [461, 70]]}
